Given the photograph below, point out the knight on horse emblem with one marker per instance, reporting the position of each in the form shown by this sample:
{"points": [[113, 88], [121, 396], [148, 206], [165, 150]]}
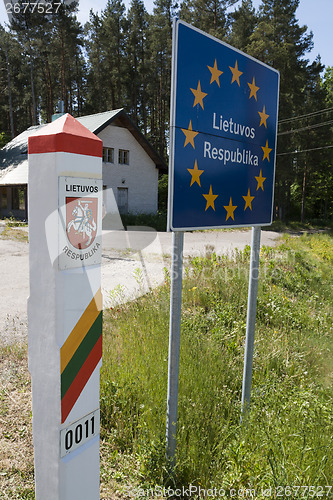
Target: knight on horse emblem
{"points": [[81, 221]]}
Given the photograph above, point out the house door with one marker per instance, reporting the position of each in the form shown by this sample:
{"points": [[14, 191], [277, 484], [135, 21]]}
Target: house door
{"points": [[123, 200]]}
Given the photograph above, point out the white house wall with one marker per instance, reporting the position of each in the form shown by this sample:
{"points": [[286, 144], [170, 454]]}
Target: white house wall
{"points": [[140, 177]]}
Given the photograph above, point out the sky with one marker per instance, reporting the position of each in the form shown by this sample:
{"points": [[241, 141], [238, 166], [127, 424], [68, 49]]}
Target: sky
{"points": [[316, 15]]}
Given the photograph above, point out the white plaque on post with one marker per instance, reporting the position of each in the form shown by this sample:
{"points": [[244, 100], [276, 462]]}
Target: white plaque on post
{"points": [[80, 244]]}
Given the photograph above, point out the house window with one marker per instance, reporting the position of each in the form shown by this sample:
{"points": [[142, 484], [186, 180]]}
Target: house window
{"points": [[123, 157], [18, 198], [108, 155], [4, 197]]}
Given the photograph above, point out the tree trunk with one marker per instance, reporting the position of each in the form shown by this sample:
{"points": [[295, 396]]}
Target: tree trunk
{"points": [[10, 96], [325, 208], [303, 193], [64, 96], [78, 86], [49, 91], [288, 202], [34, 110]]}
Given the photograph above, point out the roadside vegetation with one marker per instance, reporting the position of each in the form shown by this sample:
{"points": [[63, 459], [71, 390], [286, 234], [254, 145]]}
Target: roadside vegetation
{"points": [[156, 221], [287, 438], [10, 230], [12, 233]]}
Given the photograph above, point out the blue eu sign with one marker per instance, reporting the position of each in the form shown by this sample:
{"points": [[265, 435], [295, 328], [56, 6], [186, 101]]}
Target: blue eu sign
{"points": [[223, 124]]}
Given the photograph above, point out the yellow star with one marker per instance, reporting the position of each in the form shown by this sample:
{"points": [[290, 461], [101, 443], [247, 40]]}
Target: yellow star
{"points": [[190, 135], [199, 95], [235, 74], [195, 172], [210, 197], [266, 151], [254, 89], [248, 200], [263, 117], [230, 210], [216, 73], [260, 181]]}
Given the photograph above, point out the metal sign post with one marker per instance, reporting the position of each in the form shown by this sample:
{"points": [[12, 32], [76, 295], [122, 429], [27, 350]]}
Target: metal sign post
{"points": [[65, 308], [174, 344], [251, 318], [223, 129]]}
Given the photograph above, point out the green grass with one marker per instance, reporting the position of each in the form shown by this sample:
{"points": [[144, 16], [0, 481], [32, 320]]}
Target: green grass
{"points": [[13, 222], [297, 226], [11, 230], [16, 453], [287, 439], [156, 221], [10, 233]]}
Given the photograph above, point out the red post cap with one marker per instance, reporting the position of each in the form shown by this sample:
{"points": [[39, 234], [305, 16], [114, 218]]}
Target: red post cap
{"points": [[65, 135]]}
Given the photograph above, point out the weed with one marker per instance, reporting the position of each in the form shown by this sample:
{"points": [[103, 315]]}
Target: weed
{"points": [[156, 221], [12, 233], [286, 439], [292, 394]]}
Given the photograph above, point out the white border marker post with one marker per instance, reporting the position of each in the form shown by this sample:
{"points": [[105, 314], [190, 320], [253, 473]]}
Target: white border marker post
{"points": [[65, 308]]}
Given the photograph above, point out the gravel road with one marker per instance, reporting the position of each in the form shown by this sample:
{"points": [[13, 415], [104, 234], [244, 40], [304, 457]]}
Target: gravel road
{"points": [[132, 262]]}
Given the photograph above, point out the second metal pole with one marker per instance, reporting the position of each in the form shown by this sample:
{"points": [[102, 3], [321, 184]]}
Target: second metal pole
{"points": [[174, 344], [251, 319]]}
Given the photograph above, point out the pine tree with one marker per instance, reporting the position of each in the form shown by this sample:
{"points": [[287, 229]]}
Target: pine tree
{"points": [[160, 39], [243, 23], [313, 138], [29, 27], [67, 60], [113, 48], [279, 41], [51, 46], [96, 93], [328, 85], [208, 15], [326, 187], [15, 96], [137, 62], [5, 38]]}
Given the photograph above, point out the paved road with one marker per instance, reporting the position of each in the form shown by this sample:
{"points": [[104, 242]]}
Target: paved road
{"points": [[132, 262]]}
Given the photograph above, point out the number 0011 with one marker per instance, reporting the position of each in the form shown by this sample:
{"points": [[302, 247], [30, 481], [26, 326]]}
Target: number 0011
{"points": [[79, 432]]}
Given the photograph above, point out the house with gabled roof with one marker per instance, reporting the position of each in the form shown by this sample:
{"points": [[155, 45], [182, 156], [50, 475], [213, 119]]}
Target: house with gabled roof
{"points": [[131, 167]]}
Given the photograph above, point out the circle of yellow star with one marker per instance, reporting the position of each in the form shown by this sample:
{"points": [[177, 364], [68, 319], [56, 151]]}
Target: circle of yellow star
{"points": [[190, 135], [199, 96], [254, 89], [235, 73], [248, 200], [230, 210], [216, 73], [210, 198], [195, 173], [260, 181], [263, 117], [266, 151]]}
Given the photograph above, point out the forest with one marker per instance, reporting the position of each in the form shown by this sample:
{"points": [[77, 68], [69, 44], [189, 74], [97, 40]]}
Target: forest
{"points": [[122, 59]]}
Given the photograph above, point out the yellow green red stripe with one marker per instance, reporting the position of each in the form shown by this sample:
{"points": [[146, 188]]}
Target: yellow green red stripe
{"points": [[80, 354], [80, 330], [80, 381]]}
